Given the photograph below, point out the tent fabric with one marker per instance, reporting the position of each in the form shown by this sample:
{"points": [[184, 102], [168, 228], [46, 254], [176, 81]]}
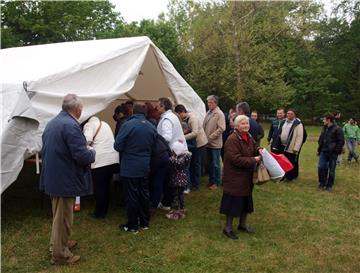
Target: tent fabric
{"points": [[36, 78]]}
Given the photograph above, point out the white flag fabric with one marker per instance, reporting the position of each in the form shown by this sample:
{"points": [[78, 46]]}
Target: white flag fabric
{"points": [[273, 167]]}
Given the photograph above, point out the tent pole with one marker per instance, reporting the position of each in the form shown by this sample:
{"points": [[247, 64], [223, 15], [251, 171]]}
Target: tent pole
{"points": [[37, 163]]}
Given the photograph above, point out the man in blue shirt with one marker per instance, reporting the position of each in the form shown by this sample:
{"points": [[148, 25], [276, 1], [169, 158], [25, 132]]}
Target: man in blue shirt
{"points": [[134, 142]]}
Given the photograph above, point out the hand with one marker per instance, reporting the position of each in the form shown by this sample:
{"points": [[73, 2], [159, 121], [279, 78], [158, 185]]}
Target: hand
{"points": [[317, 153], [257, 158], [89, 147], [296, 152], [186, 131]]}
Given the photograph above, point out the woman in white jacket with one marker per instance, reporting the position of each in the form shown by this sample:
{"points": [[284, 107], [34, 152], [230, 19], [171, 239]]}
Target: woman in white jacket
{"points": [[99, 135]]}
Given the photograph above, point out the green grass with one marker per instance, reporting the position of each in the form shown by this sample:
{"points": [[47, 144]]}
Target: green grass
{"points": [[298, 229]]}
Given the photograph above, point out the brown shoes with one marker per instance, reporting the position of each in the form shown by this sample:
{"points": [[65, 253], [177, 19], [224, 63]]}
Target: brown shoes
{"points": [[71, 244], [68, 261], [213, 187]]}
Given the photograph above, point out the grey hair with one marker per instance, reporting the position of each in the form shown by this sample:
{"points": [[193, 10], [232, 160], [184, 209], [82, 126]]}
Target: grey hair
{"points": [[240, 118], [70, 102], [243, 107], [214, 98]]}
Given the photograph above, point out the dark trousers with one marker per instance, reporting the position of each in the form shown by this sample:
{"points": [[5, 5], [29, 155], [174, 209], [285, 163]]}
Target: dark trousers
{"points": [[168, 194], [294, 159], [195, 167], [178, 200], [101, 178], [326, 169], [137, 200], [158, 178], [276, 151]]}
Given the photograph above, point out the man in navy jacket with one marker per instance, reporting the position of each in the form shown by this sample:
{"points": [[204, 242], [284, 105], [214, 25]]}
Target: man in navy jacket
{"points": [[65, 174], [134, 142], [243, 108], [275, 128]]}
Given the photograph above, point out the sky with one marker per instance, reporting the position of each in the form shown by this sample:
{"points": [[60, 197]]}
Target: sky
{"points": [[136, 10]]}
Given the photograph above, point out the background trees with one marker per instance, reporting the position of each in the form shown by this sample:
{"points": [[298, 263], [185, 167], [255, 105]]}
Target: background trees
{"points": [[269, 53]]}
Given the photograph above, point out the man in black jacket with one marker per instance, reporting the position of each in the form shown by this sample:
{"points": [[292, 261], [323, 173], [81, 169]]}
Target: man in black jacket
{"points": [[331, 142]]}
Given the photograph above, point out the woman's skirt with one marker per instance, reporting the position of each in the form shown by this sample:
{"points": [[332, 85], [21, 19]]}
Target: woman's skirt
{"points": [[236, 205]]}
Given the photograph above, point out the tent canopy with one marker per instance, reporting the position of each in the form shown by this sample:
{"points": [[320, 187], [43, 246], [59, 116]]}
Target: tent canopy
{"points": [[34, 80]]}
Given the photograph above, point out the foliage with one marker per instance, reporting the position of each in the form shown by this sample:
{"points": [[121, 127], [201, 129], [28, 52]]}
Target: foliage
{"points": [[40, 22], [271, 54], [339, 46]]}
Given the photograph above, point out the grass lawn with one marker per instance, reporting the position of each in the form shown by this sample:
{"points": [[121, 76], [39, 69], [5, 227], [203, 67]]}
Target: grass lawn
{"points": [[298, 229]]}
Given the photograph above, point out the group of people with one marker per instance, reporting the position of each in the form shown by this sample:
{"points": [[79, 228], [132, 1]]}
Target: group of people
{"points": [[158, 155]]}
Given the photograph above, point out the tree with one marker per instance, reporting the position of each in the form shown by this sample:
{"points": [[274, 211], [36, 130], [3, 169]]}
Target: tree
{"points": [[339, 44], [40, 22], [230, 52]]}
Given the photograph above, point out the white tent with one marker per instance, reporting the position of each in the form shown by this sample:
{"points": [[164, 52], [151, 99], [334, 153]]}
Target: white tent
{"points": [[34, 79]]}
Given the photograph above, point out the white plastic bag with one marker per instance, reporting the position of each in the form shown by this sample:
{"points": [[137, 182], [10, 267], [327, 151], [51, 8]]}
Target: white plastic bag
{"points": [[273, 167]]}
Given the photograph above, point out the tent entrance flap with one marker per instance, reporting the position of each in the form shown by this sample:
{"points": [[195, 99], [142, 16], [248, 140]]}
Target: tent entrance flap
{"points": [[150, 85]]}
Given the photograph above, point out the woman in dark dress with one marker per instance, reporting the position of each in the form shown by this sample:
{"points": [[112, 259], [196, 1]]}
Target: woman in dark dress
{"points": [[241, 156]]}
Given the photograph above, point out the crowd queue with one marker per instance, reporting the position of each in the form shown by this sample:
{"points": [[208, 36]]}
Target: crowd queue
{"points": [[157, 155]]}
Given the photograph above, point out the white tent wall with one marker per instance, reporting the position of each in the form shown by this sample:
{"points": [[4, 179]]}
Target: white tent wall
{"points": [[101, 72]]}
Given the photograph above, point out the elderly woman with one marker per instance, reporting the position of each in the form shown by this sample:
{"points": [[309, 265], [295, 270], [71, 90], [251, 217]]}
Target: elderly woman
{"points": [[241, 156]]}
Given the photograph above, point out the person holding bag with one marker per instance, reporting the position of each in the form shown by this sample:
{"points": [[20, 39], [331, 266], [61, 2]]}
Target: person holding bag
{"points": [[241, 157], [99, 136]]}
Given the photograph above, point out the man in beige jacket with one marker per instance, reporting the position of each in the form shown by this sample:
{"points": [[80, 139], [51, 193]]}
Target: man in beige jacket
{"points": [[290, 140], [196, 132], [214, 126]]}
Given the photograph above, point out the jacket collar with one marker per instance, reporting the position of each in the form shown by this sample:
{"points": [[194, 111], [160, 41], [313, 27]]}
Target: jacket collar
{"points": [[216, 109], [64, 113], [137, 116], [236, 132]]}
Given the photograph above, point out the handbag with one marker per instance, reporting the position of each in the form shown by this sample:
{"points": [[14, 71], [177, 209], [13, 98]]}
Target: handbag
{"points": [[261, 174], [96, 133]]}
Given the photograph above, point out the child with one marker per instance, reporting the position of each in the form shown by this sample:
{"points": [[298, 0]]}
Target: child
{"points": [[179, 162]]}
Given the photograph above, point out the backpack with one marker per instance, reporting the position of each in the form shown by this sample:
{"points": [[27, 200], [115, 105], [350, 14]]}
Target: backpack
{"points": [[161, 146]]}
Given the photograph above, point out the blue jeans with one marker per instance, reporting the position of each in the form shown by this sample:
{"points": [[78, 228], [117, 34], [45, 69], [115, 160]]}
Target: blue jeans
{"points": [[214, 165], [326, 169], [195, 168], [351, 142]]}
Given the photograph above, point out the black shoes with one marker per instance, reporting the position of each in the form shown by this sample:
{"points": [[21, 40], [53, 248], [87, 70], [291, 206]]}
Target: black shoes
{"points": [[126, 228], [246, 229], [230, 234]]}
